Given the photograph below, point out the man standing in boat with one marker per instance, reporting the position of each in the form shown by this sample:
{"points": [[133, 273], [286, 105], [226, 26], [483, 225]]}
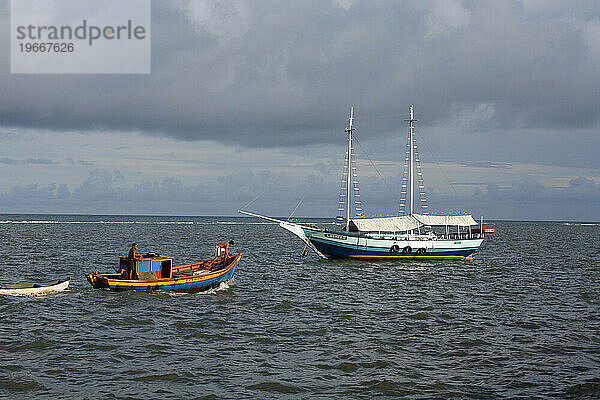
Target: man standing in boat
{"points": [[222, 249], [131, 257]]}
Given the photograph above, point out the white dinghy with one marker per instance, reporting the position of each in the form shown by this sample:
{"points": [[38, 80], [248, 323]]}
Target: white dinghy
{"points": [[34, 289]]}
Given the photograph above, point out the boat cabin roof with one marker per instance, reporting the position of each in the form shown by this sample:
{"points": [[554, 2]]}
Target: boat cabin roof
{"points": [[150, 256]]}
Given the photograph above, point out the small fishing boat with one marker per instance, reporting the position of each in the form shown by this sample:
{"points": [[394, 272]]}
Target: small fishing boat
{"points": [[34, 289], [154, 272]]}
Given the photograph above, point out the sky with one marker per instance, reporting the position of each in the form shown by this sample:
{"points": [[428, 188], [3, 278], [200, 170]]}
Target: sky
{"points": [[247, 102]]}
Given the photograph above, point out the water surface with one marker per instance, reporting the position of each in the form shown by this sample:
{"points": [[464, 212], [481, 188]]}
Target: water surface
{"points": [[521, 320]]}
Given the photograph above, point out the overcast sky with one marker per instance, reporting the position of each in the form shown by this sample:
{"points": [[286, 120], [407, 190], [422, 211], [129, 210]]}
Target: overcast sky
{"points": [[250, 98]]}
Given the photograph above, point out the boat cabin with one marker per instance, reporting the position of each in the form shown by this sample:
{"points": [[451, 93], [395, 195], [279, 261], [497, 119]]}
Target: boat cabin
{"points": [[149, 266]]}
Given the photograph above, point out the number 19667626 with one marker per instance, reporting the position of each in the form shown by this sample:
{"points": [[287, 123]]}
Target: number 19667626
{"points": [[46, 47]]}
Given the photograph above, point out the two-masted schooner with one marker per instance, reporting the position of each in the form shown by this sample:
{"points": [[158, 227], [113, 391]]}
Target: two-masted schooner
{"points": [[408, 235]]}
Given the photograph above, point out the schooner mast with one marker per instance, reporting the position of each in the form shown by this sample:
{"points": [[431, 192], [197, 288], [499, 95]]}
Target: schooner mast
{"points": [[349, 130], [349, 190], [413, 174]]}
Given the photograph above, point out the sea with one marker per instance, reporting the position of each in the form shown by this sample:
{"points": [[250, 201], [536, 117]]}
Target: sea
{"points": [[522, 320]]}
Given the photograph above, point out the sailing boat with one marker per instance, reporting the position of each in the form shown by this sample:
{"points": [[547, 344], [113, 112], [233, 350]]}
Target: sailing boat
{"points": [[409, 235]]}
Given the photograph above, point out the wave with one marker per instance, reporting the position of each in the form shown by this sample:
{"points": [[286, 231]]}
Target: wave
{"points": [[101, 222], [581, 224], [40, 222], [240, 223]]}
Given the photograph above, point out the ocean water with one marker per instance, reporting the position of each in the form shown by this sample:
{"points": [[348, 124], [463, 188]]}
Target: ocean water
{"points": [[520, 321]]}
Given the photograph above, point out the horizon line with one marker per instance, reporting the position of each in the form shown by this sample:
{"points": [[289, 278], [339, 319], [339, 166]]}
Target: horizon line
{"points": [[241, 216]]}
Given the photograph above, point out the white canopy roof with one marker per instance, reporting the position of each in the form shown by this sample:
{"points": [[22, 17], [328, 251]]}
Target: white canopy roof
{"points": [[386, 224], [409, 222], [452, 220]]}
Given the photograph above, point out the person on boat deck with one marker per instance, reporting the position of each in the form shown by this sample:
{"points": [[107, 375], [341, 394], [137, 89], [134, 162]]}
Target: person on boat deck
{"points": [[131, 257], [223, 249]]}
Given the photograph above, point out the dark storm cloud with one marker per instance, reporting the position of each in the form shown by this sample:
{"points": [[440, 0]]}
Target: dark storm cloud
{"points": [[527, 198], [34, 194], [277, 194], [487, 164], [272, 73], [34, 161], [82, 163], [105, 191], [8, 161], [41, 161]]}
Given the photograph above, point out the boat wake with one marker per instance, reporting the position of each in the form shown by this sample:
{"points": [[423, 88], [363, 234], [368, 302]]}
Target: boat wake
{"points": [[223, 286], [411, 268]]}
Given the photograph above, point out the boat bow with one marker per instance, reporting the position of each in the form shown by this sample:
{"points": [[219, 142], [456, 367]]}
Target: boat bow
{"points": [[296, 229]]}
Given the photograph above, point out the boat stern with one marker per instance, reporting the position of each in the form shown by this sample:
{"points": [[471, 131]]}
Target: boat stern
{"points": [[97, 281]]}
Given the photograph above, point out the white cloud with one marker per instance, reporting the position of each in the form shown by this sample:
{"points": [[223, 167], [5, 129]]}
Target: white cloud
{"points": [[345, 4], [446, 16], [591, 35], [228, 21]]}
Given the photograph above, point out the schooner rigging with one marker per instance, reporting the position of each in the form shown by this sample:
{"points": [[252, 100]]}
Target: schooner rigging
{"points": [[396, 237]]}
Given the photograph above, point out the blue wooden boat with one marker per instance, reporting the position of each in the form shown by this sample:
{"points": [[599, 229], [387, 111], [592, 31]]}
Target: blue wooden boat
{"points": [[154, 272]]}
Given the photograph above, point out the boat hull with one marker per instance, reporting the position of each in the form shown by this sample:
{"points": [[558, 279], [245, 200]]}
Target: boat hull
{"points": [[34, 290], [185, 284], [341, 245]]}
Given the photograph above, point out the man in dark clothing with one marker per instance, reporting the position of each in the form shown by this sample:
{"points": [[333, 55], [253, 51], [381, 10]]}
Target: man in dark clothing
{"points": [[131, 257]]}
